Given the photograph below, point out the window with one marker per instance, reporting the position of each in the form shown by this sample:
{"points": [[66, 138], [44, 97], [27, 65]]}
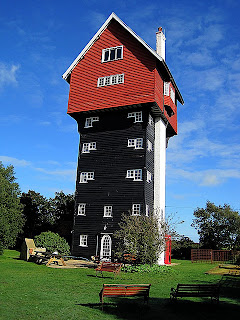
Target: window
{"points": [[136, 115], [110, 80], [166, 88], [150, 120], [137, 143], [149, 146], [147, 210], [135, 174], [89, 146], [81, 209], [107, 211], [136, 209], [111, 54], [85, 176], [149, 176], [89, 121], [172, 95], [83, 240]]}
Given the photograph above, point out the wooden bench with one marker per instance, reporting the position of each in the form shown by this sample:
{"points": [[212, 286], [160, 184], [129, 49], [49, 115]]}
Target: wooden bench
{"points": [[124, 290], [195, 290], [109, 267]]}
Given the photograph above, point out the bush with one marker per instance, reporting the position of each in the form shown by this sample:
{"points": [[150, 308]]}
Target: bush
{"points": [[1, 248], [146, 268], [52, 242]]}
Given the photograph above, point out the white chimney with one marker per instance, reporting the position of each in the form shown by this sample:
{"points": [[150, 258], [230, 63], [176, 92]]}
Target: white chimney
{"points": [[160, 43]]}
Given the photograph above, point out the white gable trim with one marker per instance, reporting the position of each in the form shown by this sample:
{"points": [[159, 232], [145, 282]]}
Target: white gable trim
{"points": [[68, 72]]}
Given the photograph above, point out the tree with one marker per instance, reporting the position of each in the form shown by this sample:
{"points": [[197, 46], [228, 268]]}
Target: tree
{"points": [[38, 213], [181, 247], [140, 236], [218, 226], [11, 217], [52, 242], [63, 207]]}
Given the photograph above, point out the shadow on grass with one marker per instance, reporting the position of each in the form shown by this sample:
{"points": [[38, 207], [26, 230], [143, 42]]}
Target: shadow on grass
{"points": [[158, 308]]}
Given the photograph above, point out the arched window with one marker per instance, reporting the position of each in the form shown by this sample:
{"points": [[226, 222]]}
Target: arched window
{"points": [[106, 244]]}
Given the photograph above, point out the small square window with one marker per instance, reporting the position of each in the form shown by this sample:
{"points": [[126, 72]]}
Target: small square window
{"points": [[85, 148], [89, 121], [107, 81], [107, 211], [114, 79], [83, 177], [139, 143], [121, 78], [100, 82], [131, 142], [83, 240], [81, 209], [135, 174], [136, 115], [92, 146], [136, 209]]}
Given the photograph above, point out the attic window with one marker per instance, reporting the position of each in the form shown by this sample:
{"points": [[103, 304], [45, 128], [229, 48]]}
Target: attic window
{"points": [[111, 54]]}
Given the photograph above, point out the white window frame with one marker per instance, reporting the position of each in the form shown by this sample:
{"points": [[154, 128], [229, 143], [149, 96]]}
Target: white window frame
{"points": [[149, 176], [147, 210], [149, 146], [83, 240], [136, 209], [86, 147], [110, 80], [81, 209], [107, 211], [89, 121], [85, 176], [137, 143], [172, 95], [166, 88], [137, 115], [135, 174], [109, 55]]}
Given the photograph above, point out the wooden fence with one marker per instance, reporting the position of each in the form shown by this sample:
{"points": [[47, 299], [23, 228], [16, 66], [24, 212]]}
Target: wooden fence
{"points": [[209, 255]]}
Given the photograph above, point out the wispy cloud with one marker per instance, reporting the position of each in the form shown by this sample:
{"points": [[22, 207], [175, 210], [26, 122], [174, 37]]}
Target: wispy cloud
{"points": [[15, 162], [8, 74]]}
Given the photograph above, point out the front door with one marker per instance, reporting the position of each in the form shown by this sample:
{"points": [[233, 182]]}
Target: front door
{"points": [[106, 244]]}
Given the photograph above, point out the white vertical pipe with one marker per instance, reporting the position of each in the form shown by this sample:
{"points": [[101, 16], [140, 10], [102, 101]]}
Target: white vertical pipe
{"points": [[160, 173]]}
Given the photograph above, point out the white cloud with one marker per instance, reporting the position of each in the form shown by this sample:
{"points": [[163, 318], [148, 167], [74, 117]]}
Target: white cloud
{"points": [[8, 74], [15, 162]]}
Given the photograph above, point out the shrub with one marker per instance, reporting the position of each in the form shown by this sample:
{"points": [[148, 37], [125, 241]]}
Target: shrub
{"points": [[146, 268], [52, 242]]}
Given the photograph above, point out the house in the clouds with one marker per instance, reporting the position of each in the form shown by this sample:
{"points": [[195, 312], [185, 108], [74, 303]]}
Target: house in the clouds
{"points": [[124, 99]]}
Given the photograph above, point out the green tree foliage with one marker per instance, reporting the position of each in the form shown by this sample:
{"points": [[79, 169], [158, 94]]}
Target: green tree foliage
{"points": [[38, 213], [181, 247], [63, 207], [218, 226], [140, 236], [52, 242], [11, 217]]}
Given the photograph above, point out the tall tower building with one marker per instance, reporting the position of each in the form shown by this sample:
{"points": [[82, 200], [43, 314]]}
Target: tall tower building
{"points": [[124, 99]]}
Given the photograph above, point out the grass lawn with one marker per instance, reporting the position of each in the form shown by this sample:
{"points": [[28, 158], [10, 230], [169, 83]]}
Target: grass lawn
{"points": [[30, 291]]}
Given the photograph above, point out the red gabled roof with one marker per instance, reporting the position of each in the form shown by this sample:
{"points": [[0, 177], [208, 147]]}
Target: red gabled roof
{"points": [[68, 72]]}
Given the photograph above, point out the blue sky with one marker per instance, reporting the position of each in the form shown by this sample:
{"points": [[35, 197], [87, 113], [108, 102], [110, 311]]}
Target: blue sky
{"points": [[40, 39]]}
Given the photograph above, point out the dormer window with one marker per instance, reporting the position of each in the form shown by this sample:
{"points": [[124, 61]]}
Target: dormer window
{"points": [[89, 121], [111, 54], [136, 115]]}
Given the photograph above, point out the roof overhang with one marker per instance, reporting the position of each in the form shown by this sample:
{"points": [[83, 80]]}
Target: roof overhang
{"points": [[67, 73]]}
